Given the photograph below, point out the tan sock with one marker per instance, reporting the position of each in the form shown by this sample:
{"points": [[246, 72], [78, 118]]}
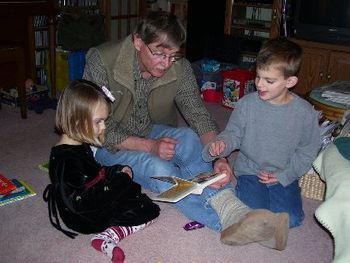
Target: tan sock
{"points": [[228, 207]]}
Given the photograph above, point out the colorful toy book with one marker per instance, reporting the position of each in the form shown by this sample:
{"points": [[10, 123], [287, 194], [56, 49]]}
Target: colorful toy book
{"points": [[21, 192], [6, 185], [183, 188]]}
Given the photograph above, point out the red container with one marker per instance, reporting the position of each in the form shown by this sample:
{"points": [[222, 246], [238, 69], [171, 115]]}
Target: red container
{"points": [[236, 83], [212, 95]]}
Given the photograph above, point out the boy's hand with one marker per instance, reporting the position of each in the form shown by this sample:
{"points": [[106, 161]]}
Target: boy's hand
{"points": [[222, 166], [267, 177], [216, 148]]}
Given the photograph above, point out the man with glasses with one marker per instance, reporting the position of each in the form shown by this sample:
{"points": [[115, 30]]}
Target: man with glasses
{"points": [[150, 79]]}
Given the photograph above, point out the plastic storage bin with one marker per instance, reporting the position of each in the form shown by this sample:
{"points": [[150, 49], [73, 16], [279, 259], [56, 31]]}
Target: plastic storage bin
{"points": [[236, 83], [209, 78]]}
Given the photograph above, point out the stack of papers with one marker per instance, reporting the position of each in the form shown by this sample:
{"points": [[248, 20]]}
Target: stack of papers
{"points": [[338, 92]]}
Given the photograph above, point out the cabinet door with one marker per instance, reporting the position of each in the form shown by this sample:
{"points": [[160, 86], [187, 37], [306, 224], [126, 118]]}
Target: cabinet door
{"points": [[313, 70], [339, 66]]}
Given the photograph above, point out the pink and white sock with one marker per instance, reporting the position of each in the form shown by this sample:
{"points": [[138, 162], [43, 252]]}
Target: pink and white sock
{"points": [[107, 240]]}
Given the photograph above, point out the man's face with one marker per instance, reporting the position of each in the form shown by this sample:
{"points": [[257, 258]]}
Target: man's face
{"points": [[154, 59]]}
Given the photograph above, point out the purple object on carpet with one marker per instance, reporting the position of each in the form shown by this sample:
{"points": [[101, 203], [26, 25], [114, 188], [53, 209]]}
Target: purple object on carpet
{"points": [[193, 225]]}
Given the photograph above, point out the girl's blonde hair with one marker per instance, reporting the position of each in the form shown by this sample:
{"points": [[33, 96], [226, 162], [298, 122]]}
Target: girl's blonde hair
{"points": [[75, 111]]}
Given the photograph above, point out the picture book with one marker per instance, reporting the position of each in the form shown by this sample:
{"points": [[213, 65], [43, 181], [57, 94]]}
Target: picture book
{"points": [[21, 192], [182, 188]]}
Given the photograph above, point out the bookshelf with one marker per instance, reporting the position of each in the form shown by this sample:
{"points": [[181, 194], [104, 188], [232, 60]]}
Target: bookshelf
{"points": [[254, 22], [17, 29], [41, 49]]}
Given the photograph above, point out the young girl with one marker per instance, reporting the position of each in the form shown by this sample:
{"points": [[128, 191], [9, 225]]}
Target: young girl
{"points": [[91, 198]]}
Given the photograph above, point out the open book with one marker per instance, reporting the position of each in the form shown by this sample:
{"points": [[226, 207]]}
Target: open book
{"points": [[183, 188]]}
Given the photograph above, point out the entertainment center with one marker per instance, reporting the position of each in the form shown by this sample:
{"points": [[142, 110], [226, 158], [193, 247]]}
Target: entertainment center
{"points": [[325, 21], [322, 29]]}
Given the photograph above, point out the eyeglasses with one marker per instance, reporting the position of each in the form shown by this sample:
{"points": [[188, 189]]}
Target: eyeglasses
{"points": [[159, 55]]}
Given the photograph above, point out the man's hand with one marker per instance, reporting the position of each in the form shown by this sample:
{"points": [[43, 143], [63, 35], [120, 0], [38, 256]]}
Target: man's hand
{"points": [[222, 166], [164, 148]]}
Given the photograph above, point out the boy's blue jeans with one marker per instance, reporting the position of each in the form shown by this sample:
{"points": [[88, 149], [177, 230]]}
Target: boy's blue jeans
{"points": [[186, 163], [274, 197]]}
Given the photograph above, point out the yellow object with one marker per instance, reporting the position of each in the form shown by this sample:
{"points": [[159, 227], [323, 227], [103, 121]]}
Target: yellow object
{"points": [[62, 72]]}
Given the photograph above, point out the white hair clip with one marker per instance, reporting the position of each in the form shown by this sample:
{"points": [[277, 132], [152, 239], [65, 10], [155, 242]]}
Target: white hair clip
{"points": [[108, 93]]}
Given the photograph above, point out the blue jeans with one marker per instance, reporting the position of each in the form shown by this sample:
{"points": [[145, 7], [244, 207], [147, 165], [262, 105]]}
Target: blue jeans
{"points": [[186, 163], [274, 197]]}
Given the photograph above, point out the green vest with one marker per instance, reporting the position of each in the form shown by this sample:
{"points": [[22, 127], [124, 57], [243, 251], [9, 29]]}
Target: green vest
{"points": [[118, 61]]}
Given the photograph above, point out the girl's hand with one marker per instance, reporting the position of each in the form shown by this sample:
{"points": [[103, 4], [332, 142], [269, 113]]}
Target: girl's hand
{"points": [[128, 170], [216, 148]]}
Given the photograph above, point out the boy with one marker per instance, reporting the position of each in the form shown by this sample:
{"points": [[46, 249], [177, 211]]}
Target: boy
{"points": [[276, 131]]}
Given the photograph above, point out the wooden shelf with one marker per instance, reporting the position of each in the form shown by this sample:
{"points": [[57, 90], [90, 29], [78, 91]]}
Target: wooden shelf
{"points": [[237, 18], [252, 21]]}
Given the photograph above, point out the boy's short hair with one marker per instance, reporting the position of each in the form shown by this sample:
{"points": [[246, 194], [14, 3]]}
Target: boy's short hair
{"points": [[281, 53], [163, 27], [75, 110]]}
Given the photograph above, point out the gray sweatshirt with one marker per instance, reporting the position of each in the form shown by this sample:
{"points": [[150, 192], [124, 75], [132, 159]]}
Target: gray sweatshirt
{"points": [[283, 139]]}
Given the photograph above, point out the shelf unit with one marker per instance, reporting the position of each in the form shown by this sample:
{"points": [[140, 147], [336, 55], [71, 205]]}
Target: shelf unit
{"points": [[253, 22], [40, 31], [17, 30], [121, 16]]}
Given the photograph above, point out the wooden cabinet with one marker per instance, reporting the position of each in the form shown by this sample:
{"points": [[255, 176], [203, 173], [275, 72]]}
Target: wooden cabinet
{"points": [[321, 64]]}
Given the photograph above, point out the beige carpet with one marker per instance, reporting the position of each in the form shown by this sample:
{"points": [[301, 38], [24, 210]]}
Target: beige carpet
{"points": [[27, 236]]}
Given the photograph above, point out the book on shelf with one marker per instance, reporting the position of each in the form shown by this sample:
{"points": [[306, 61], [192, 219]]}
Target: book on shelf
{"points": [[182, 188], [21, 192]]}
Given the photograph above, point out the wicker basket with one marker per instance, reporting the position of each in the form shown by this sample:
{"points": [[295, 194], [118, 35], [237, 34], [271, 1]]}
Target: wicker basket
{"points": [[312, 186]]}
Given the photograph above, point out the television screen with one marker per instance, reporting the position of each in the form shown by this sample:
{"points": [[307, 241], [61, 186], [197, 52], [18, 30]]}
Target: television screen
{"points": [[325, 12], [322, 20]]}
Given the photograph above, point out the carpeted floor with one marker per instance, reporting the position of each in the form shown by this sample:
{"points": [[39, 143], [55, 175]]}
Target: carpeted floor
{"points": [[27, 236]]}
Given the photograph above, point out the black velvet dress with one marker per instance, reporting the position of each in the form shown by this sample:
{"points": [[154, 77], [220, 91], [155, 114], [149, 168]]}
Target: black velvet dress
{"points": [[90, 197]]}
